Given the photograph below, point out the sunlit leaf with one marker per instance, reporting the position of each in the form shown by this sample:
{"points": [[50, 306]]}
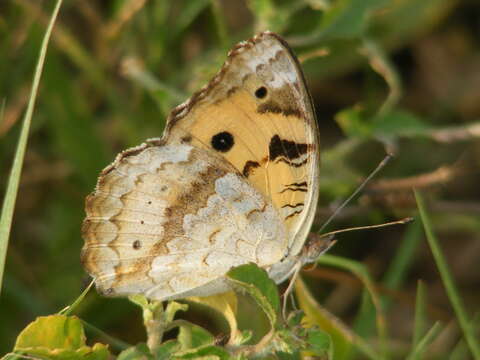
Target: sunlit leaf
{"points": [[318, 316], [354, 123], [58, 337], [167, 349], [138, 352], [255, 282], [399, 123], [226, 304], [319, 343], [193, 336], [207, 352], [348, 18], [269, 16]]}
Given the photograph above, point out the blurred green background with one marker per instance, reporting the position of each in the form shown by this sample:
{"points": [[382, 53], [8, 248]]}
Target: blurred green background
{"points": [[400, 76]]}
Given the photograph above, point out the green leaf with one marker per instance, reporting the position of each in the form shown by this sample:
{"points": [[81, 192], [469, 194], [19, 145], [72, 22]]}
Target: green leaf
{"points": [[226, 304], [207, 352], [347, 18], [317, 316], [256, 283], [193, 336], [140, 300], [320, 343], [399, 123], [268, 15], [167, 349], [353, 122], [286, 356], [58, 337], [55, 332], [356, 122], [138, 352], [295, 318], [172, 308]]}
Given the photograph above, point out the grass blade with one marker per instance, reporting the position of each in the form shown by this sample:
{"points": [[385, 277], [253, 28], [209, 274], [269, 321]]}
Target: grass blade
{"points": [[16, 171], [423, 343], [401, 264], [420, 314], [69, 309], [394, 278], [460, 351], [362, 273], [447, 280], [341, 335]]}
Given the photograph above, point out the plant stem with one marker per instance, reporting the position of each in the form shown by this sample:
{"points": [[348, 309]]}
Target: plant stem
{"points": [[154, 321]]}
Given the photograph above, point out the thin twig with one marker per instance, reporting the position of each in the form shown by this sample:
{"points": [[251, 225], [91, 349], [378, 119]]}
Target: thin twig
{"points": [[456, 133], [380, 62], [441, 175], [126, 13]]}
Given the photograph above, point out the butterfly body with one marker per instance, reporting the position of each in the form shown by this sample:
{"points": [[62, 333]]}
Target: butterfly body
{"points": [[233, 180]]}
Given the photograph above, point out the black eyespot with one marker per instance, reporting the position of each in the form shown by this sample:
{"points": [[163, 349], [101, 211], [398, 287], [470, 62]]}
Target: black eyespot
{"points": [[186, 139], [261, 92], [222, 141], [137, 244], [109, 291]]}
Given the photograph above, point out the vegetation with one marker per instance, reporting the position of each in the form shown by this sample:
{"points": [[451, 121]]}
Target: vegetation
{"points": [[386, 76]]}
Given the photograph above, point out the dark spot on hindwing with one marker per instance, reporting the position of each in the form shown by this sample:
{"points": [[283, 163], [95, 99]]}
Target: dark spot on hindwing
{"points": [[261, 92], [222, 141], [186, 139], [137, 244], [109, 292], [286, 149], [249, 166]]}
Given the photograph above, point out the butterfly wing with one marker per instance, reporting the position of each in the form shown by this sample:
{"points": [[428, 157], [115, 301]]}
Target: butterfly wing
{"points": [[257, 114], [233, 180], [167, 221]]}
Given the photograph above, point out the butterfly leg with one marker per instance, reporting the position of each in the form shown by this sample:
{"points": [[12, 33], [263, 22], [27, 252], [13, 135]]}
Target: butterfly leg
{"points": [[315, 246]]}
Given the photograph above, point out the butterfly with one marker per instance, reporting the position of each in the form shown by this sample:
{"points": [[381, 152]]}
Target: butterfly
{"points": [[234, 179]]}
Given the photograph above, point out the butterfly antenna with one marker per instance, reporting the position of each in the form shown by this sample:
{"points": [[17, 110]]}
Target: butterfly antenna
{"points": [[379, 167], [396, 222]]}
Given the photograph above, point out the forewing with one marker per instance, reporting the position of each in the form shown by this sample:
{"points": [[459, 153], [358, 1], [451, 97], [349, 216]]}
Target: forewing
{"points": [[260, 99]]}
